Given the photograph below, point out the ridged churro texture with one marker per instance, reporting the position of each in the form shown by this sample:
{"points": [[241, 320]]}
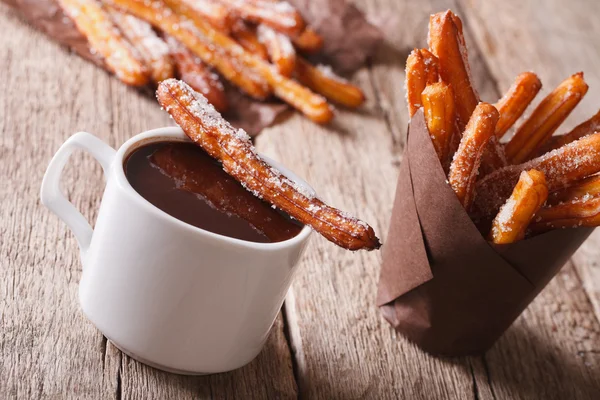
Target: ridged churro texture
{"points": [[280, 49], [528, 196], [205, 126], [440, 116], [421, 70], [447, 43], [545, 119], [516, 100], [280, 16], [465, 165], [103, 36], [562, 167]]}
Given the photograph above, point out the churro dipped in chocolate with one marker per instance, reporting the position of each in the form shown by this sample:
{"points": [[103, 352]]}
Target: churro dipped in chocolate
{"points": [[205, 126]]}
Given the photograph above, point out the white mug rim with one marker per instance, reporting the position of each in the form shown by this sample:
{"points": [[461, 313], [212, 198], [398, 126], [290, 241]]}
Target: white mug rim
{"points": [[177, 134]]}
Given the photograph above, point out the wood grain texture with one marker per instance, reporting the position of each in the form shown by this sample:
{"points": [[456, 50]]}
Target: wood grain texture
{"points": [[337, 345], [48, 350]]}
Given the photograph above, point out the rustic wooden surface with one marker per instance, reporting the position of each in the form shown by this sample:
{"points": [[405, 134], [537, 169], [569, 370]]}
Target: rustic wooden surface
{"points": [[330, 341]]}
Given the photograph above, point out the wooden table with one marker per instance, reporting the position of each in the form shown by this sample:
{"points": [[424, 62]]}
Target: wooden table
{"points": [[329, 341]]}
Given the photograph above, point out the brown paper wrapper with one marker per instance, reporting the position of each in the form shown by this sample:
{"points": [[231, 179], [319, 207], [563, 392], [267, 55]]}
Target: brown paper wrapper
{"points": [[443, 285], [349, 41]]}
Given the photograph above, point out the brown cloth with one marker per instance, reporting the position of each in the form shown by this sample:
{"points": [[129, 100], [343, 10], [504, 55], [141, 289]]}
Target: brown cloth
{"points": [[443, 285], [349, 41]]}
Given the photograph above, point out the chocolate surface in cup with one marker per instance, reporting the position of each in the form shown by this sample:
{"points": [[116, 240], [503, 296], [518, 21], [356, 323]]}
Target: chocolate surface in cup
{"points": [[186, 183]]}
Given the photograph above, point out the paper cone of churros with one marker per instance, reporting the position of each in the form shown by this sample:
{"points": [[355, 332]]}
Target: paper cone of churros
{"points": [[479, 227], [443, 285]]}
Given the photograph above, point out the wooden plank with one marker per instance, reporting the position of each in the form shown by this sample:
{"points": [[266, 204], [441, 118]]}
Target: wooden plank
{"points": [[559, 330], [48, 349]]}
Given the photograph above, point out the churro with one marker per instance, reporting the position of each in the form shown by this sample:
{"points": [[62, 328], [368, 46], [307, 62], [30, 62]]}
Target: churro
{"points": [[421, 70], [309, 41], [514, 103], [585, 128], [322, 80], [465, 165], [562, 167], [104, 37], [198, 75], [153, 50], [493, 157], [438, 106], [280, 49], [213, 12], [584, 212], [279, 15], [586, 188], [447, 43], [233, 148], [528, 196], [545, 119], [213, 46], [246, 36]]}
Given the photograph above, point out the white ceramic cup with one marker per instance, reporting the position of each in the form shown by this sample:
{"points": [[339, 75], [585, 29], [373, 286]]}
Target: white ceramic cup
{"points": [[169, 294]]}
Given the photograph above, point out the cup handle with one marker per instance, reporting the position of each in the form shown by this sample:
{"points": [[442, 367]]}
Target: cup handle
{"points": [[53, 198]]}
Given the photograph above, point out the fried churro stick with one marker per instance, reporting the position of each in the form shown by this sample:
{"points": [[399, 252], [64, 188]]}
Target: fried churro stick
{"points": [[233, 148], [308, 41], [153, 50], [279, 15], [585, 212], [246, 36], [528, 196], [213, 12], [203, 177], [585, 128], [447, 43], [586, 188], [514, 103], [159, 15], [421, 70], [438, 105], [197, 74], [545, 119], [465, 165], [104, 37], [204, 41], [280, 48], [562, 167], [322, 80]]}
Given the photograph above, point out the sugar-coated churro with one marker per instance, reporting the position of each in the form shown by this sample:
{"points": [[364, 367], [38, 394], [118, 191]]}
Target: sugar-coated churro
{"points": [[104, 37], [545, 119], [585, 188], [280, 48], [465, 165], [153, 50], [447, 43], [279, 15], [528, 196], [514, 103], [205, 126], [573, 214], [309, 41], [322, 80], [585, 128], [213, 12], [198, 75], [212, 46], [562, 167], [421, 70], [438, 106], [246, 36]]}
